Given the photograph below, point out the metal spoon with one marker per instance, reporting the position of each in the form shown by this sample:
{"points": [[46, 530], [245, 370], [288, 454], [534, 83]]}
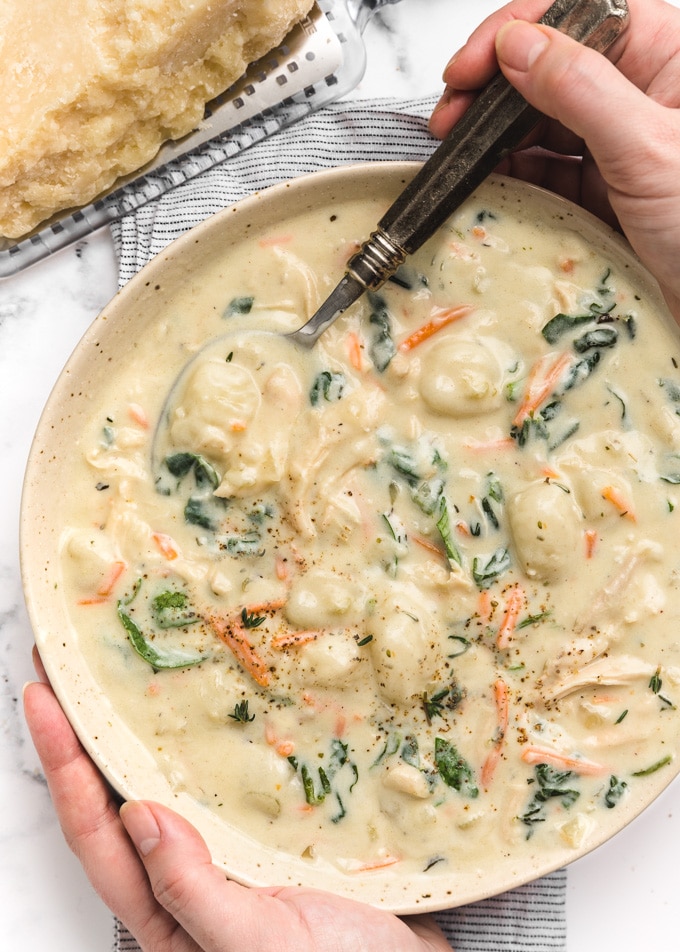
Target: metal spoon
{"points": [[498, 120]]}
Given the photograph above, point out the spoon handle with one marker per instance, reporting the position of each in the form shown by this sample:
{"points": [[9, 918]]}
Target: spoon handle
{"points": [[497, 121]]}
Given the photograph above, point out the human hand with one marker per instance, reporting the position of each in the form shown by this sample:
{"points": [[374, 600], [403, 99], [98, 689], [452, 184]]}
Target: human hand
{"points": [[154, 871], [614, 146]]}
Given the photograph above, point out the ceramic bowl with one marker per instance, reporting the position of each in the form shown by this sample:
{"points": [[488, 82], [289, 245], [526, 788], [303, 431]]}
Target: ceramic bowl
{"points": [[112, 743]]}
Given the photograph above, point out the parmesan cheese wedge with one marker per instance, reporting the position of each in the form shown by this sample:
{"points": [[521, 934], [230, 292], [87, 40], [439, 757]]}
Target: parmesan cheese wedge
{"points": [[94, 87]]}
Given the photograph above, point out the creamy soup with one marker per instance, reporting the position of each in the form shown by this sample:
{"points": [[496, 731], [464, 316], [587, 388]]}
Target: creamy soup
{"points": [[409, 599]]}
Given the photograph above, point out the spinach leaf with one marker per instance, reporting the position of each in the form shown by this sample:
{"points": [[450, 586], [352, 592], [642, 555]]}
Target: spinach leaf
{"points": [[485, 570], [382, 347], [454, 770], [329, 386]]}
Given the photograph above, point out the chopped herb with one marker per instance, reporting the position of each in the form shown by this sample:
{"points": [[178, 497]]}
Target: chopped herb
{"points": [[341, 810], [382, 347], [240, 305], [244, 544], [655, 685], [200, 511], [390, 748], [533, 619], [489, 513], [551, 785], [464, 645], [563, 323], [599, 337], [487, 569], [171, 609], [329, 386], [444, 526], [181, 464], [365, 641], [434, 706], [581, 370], [454, 770], [615, 791], [646, 771], [159, 658], [395, 526], [241, 713], [427, 494], [410, 753], [494, 488], [250, 619], [316, 792], [433, 862]]}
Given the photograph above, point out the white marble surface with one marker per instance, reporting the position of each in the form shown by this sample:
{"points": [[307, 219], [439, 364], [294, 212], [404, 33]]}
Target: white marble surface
{"points": [[620, 899]]}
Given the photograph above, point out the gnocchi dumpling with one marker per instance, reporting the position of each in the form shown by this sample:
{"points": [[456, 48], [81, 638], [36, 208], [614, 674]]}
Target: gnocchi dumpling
{"points": [[218, 403], [462, 377], [546, 526]]}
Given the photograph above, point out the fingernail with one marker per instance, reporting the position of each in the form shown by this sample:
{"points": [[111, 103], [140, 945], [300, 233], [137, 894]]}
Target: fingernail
{"points": [[452, 61], [141, 826], [444, 99], [519, 44]]}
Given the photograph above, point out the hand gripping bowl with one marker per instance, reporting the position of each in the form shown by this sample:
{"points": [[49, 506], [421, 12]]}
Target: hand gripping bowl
{"points": [[396, 616]]}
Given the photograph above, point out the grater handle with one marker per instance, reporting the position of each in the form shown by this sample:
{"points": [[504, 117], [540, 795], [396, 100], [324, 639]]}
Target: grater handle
{"points": [[497, 121]]}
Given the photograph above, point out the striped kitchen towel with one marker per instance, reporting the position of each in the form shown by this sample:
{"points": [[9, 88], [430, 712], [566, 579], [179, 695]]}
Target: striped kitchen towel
{"points": [[530, 918]]}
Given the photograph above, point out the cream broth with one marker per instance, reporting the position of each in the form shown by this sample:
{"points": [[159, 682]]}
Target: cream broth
{"points": [[409, 598]]}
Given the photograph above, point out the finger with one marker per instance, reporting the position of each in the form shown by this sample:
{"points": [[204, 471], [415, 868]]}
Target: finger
{"points": [[219, 914], [475, 64], [224, 916], [39, 667], [583, 91], [89, 817]]}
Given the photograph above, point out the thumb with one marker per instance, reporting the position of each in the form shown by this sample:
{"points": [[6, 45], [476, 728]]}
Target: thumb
{"points": [[585, 92], [214, 912]]}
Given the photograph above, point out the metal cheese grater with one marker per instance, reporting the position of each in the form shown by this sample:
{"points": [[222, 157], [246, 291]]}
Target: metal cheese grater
{"points": [[321, 60]]}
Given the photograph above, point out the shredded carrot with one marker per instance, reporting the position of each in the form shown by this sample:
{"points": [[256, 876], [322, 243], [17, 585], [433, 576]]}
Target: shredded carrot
{"points": [[543, 379], [165, 545], [549, 473], [354, 350], [138, 415], [479, 232], [238, 426], [281, 568], [617, 499], [543, 755], [481, 446], [340, 725], [269, 735], [513, 607], [485, 608], [272, 241], [293, 639], [380, 863], [428, 546], [261, 608], [441, 318], [463, 528], [233, 634], [566, 265], [107, 586], [591, 542], [109, 582], [501, 698], [285, 748]]}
